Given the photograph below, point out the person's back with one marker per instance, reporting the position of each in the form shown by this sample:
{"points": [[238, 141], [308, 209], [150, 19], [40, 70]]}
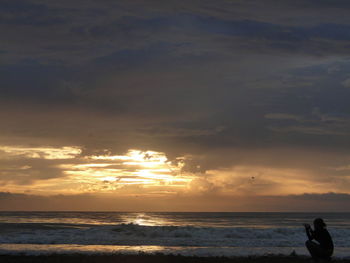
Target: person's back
{"points": [[323, 237]]}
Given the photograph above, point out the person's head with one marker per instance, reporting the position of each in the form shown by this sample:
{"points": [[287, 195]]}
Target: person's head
{"points": [[319, 223]]}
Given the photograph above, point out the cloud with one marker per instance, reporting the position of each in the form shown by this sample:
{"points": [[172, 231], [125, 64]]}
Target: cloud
{"points": [[222, 85], [324, 197], [315, 123], [327, 202], [282, 116], [50, 153], [59, 172], [26, 13], [85, 33], [310, 130], [346, 83]]}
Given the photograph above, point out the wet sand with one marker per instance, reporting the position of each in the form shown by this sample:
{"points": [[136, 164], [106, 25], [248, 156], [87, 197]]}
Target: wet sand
{"points": [[154, 259]]}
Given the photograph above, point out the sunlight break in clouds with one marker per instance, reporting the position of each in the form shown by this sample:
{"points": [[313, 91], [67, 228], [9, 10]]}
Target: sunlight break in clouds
{"points": [[143, 169], [63, 170]]}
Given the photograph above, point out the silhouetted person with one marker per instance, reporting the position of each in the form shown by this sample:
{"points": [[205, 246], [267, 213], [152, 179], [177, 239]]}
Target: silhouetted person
{"points": [[323, 248]]}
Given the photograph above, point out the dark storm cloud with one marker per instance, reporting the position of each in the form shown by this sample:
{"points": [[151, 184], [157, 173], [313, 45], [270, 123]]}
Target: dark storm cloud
{"points": [[26, 13], [30, 80], [217, 80], [272, 32], [92, 29]]}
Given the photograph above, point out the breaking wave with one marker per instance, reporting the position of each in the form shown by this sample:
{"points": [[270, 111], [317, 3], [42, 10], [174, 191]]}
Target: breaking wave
{"points": [[134, 235]]}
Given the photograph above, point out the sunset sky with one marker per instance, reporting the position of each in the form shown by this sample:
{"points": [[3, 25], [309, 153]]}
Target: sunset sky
{"points": [[176, 105]]}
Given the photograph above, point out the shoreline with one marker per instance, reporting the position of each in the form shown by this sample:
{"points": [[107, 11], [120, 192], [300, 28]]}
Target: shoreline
{"points": [[156, 258], [83, 251]]}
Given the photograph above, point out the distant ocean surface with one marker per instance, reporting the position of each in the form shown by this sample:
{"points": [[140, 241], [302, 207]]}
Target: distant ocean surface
{"points": [[198, 234]]}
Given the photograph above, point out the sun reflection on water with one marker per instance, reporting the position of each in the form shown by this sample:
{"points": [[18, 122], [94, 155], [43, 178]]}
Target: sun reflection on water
{"points": [[146, 219]]}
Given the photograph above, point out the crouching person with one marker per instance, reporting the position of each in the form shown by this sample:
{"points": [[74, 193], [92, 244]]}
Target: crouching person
{"points": [[321, 250]]}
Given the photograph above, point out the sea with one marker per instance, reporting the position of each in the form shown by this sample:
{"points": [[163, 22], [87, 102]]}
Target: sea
{"points": [[189, 234]]}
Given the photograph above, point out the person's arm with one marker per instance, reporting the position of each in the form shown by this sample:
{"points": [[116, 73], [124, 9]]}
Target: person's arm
{"points": [[309, 232]]}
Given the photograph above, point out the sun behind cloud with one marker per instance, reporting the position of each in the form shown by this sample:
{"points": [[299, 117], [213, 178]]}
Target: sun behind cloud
{"points": [[135, 172]]}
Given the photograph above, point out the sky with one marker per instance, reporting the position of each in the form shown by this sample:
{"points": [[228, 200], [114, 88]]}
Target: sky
{"points": [[186, 105]]}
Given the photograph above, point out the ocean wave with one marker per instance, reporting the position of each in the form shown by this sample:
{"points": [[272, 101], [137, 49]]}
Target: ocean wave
{"points": [[133, 234]]}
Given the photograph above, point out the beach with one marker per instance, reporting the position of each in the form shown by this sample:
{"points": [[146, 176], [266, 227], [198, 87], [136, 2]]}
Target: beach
{"points": [[138, 236], [158, 258]]}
